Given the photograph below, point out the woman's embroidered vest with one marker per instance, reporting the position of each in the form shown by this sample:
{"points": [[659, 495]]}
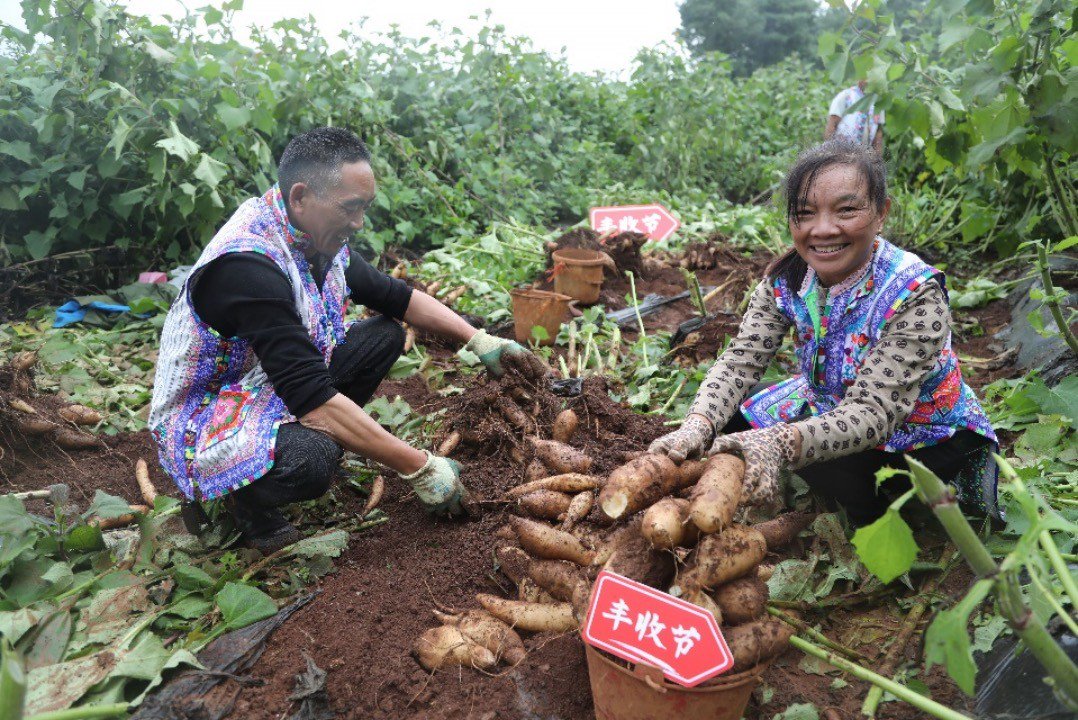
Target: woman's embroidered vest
{"points": [[214, 412], [830, 352]]}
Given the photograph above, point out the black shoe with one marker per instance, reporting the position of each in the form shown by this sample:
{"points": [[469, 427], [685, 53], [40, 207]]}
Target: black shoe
{"points": [[274, 540]]}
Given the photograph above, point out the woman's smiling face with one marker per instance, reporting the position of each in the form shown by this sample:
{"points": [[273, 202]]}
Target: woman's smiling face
{"points": [[835, 228]]}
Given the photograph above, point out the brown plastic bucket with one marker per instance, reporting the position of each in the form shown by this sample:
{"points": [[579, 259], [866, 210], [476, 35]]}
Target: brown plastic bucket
{"points": [[578, 273], [538, 307], [643, 694]]}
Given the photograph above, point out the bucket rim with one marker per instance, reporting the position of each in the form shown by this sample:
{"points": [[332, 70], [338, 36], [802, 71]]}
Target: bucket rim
{"points": [[594, 257], [537, 294], [723, 683]]}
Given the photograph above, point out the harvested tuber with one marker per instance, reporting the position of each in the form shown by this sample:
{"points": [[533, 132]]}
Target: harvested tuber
{"points": [[545, 504], [513, 562], [447, 645], [701, 599], [533, 617], [666, 524], [689, 472], [723, 557], [765, 571], [718, 493], [742, 600], [544, 541], [513, 414], [782, 530], [637, 560], [448, 445], [536, 470], [23, 361], [565, 425], [757, 641], [120, 520], [566, 482], [71, 440], [145, 486], [35, 427], [560, 578], [378, 489], [637, 484], [22, 406], [80, 415], [561, 458], [484, 629], [578, 509]]}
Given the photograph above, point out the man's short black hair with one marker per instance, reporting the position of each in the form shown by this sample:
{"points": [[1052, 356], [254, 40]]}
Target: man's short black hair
{"points": [[315, 158]]}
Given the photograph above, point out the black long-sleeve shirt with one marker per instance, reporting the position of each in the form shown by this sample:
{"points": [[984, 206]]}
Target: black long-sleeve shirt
{"points": [[246, 295]]}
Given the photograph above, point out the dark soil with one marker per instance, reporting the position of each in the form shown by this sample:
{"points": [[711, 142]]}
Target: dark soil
{"points": [[984, 359]]}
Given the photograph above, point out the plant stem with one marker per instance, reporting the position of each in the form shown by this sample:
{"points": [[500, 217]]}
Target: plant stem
{"points": [[83, 713], [1050, 598], [816, 635], [1060, 566], [1051, 301], [673, 397], [12, 682], [636, 309], [1055, 187], [900, 691]]}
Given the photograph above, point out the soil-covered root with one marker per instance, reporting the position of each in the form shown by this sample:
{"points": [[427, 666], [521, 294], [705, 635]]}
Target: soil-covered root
{"points": [[757, 641], [636, 559], [690, 472], [35, 426], [579, 508], [562, 579], [513, 562], [145, 485], [637, 484], [533, 617], [565, 425], [565, 482], [536, 470], [722, 557], [23, 361], [484, 629], [784, 529], [544, 504], [71, 440], [560, 457], [514, 415], [543, 541], [378, 490], [446, 646], [449, 444], [718, 493], [80, 415], [742, 600], [666, 524], [702, 600]]}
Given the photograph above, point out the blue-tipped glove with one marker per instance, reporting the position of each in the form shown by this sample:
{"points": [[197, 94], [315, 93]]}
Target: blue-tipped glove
{"points": [[493, 352], [438, 487]]}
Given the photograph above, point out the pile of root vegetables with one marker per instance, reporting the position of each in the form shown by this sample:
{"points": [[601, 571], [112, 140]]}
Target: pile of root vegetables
{"points": [[62, 425], [669, 526]]}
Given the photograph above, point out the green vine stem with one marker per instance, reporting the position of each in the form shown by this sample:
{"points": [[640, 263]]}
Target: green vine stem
{"points": [[88, 712], [900, 691], [1055, 187], [939, 497], [818, 636], [1051, 300]]}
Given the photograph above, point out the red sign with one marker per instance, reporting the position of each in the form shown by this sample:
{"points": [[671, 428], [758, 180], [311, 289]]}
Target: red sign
{"points": [[641, 624], [655, 221]]}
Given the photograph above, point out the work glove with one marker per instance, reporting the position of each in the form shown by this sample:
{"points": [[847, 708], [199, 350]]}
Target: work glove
{"points": [[690, 440], [438, 487], [493, 352], [765, 452]]}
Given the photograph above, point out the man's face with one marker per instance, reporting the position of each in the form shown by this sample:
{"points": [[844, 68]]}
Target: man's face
{"points": [[334, 215]]}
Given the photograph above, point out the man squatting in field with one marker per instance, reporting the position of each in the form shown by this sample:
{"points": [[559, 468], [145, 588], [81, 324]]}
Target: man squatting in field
{"points": [[260, 381], [872, 336]]}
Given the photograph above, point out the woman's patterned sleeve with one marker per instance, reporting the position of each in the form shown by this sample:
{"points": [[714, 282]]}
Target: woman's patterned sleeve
{"points": [[888, 382], [743, 363]]}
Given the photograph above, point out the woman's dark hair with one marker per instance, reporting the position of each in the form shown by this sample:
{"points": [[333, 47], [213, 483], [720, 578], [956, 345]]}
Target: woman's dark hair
{"points": [[799, 180], [315, 158]]}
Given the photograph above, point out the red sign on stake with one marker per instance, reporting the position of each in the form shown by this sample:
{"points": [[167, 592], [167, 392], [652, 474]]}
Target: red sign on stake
{"points": [[641, 624], [655, 221]]}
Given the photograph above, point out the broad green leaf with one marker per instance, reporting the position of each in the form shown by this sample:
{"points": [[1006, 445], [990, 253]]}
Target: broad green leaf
{"points": [[84, 538], [178, 144], [1059, 400], [233, 117], [50, 642], [798, 711], [947, 639], [792, 580], [120, 131], [107, 506], [330, 544], [18, 149], [39, 243], [14, 520], [211, 171], [242, 605], [1065, 244], [886, 547], [191, 577], [15, 623]]}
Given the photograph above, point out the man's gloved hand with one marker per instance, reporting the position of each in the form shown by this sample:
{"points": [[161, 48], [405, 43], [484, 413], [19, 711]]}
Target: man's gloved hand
{"points": [[494, 351], [765, 452], [438, 487], [689, 440]]}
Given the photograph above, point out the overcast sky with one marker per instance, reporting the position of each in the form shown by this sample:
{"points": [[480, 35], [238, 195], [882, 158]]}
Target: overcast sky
{"points": [[600, 35]]}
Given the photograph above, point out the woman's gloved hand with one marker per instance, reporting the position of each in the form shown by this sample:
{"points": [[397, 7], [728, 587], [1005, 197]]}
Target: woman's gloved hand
{"points": [[689, 440], [765, 452], [438, 487], [494, 351]]}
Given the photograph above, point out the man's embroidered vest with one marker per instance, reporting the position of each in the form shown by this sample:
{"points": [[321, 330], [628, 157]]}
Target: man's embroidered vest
{"points": [[214, 412]]}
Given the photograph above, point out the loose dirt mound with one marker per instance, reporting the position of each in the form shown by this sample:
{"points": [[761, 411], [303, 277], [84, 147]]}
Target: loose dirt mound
{"points": [[623, 248]]}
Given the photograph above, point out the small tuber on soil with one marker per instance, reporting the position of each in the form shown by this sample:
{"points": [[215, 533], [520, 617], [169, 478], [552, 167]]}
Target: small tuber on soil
{"points": [[513, 414], [145, 486], [560, 578], [566, 482], [560, 457], [71, 440], [757, 641], [637, 560], [666, 524], [448, 445], [542, 540], [536, 470], [533, 617], [447, 645], [637, 484], [578, 509], [782, 530], [484, 629], [378, 489], [718, 493], [35, 426], [80, 415], [513, 562], [545, 504], [742, 600], [23, 361], [723, 557], [565, 425]]}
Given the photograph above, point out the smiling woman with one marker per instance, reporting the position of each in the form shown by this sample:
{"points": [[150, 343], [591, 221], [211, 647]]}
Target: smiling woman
{"points": [[878, 378]]}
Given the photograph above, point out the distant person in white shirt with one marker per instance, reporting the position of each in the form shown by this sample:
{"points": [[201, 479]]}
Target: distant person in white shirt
{"points": [[864, 126]]}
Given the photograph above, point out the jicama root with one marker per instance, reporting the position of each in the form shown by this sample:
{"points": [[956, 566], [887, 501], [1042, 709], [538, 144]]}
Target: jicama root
{"points": [[545, 504], [513, 414], [456, 294], [378, 489], [637, 560], [80, 415], [409, 340], [23, 361], [533, 617], [513, 562], [742, 600], [484, 629], [120, 520], [145, 486], [723, 557], [561, 458], [433, 288], [529, 591], [447, 645], [717, 494], [565, 425], [544, 541], [764, 572], [70, 440], [536, 470], [566, 482], [22, 406], [689, 472], [637, 484], [782, 530], [560, 578], [666, 524], [448, 445], [579, 508], [701, 599], [757, 641], [35, 427]]}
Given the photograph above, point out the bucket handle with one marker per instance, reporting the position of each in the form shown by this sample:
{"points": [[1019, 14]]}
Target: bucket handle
{"points": [[651, 675]]}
